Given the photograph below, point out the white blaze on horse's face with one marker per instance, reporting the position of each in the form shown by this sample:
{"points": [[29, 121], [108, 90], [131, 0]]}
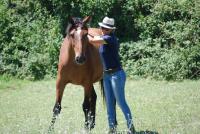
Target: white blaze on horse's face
{"points": [[80, 45]]}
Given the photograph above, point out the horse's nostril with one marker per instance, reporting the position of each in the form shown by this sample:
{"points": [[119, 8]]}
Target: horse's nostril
{"points": [[83, 58], [80, 60], [77, 59]]}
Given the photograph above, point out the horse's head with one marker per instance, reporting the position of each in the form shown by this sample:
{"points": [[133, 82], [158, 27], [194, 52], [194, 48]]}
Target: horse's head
{"points": [[77, 30]]}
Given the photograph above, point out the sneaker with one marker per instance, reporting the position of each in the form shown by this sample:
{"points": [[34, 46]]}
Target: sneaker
{"points": [[112, 131], [131, 130]]}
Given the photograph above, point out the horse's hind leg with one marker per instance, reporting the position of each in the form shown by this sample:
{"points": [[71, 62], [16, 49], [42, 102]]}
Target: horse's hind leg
{"points": [[89, 107], [92, 112]]}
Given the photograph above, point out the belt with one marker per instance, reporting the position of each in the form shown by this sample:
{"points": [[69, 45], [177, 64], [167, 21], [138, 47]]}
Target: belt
{"points": [[112, 70]]}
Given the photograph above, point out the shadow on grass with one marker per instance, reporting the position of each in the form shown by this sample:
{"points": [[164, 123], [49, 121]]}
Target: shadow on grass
{"points": [[139, 132], [146, 132]]}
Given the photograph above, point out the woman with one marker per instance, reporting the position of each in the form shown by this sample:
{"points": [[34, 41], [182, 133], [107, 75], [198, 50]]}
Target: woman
{"points": [[114, 76]]}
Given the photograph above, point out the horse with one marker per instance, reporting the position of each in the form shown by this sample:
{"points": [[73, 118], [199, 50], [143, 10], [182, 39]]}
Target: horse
{"points": [[79, 64]]}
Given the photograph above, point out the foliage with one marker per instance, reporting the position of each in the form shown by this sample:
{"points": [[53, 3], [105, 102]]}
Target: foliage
{"points": [[145, 59], [168, 43], [29, 41], [160, 39]]}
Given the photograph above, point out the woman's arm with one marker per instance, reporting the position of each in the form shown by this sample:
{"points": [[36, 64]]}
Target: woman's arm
{"points": [[96, 40]]}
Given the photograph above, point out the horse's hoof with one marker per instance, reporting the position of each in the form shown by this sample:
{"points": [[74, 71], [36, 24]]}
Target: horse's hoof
{"points": [[51, 129], [89, 126], [57, 108]]}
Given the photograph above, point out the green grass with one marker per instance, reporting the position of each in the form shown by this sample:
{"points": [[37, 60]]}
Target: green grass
{"points": [[157, 106], [7, 82]]}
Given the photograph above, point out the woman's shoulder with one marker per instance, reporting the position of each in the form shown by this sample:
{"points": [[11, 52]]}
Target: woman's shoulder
{"points": [[110, 39], [109, 36]]}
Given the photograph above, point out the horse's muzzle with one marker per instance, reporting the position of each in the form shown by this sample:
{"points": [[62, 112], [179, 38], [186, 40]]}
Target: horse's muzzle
{"points": [[80, 60]]}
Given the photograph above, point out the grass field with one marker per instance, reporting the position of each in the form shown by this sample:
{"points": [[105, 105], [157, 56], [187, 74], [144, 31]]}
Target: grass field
{"points": [[157, 106]]}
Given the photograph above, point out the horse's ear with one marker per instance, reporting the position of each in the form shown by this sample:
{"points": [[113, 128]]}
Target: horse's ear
{"points": [[87, 19], [71, 20], [71, 23]]}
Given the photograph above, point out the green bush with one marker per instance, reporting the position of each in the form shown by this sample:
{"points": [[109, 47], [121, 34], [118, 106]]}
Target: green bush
{"points": [[144, 59], [168, 40], [30, 42], [160, 39]]}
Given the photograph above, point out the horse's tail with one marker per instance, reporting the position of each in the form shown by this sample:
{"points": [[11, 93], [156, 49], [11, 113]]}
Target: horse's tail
{"points": [[102, 90]]}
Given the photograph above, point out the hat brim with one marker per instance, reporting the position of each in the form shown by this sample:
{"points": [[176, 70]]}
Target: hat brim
{"points": [[105, 26]]}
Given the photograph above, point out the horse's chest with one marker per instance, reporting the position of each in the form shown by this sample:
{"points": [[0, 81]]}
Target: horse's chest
{"points": [[78, 76]]}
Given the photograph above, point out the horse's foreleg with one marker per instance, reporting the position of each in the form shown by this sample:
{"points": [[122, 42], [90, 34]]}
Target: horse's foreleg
{"points": [[60, 86], [89, 108]]}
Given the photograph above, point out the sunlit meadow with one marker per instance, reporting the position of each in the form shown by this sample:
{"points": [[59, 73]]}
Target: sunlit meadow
{"points": [[157, 106]]}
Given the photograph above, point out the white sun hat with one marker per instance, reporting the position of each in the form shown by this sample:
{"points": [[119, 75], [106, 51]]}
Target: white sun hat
{"points": [[108, 23]]}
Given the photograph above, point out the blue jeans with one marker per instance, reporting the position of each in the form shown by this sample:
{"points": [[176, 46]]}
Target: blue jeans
{"points": [[114, 92]]}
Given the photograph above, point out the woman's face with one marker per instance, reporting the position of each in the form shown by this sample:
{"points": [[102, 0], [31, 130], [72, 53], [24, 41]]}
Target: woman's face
{"points": [[105, 30]]}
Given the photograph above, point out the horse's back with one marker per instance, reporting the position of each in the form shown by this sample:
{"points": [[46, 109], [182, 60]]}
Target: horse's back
{"points": [[94, 31]]}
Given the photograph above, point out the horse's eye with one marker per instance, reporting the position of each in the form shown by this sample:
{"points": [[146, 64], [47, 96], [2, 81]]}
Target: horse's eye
{"points": [[72, 35]]}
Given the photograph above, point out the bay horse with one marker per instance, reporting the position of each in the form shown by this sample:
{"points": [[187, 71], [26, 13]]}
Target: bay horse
{"points": [[79, 63]]}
